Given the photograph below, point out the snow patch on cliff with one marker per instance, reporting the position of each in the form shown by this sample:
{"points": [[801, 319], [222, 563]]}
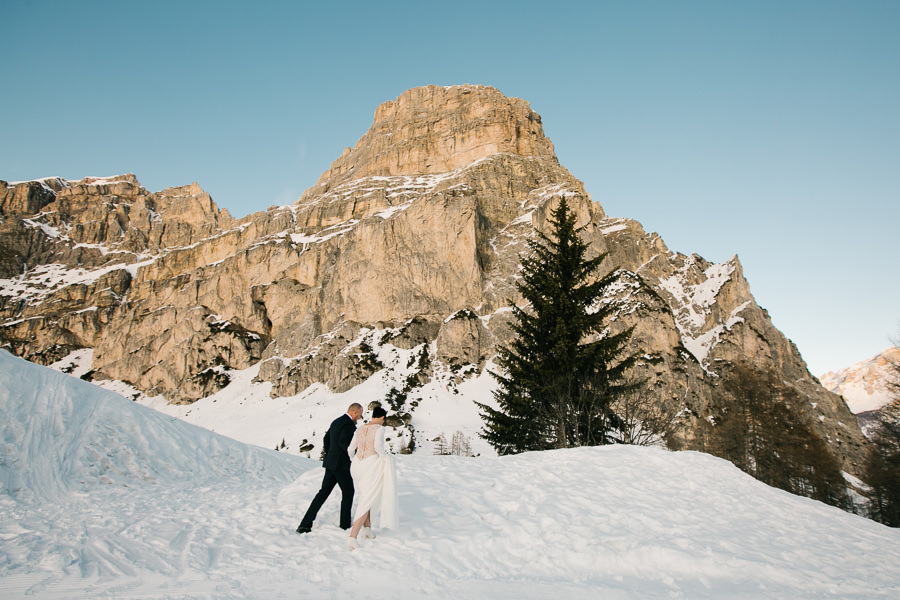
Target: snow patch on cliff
{"points": [[691, 305]]}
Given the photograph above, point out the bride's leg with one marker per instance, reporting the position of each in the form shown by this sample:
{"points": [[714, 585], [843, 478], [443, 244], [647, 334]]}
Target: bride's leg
{"points": [[358, 524], [367, 527]]}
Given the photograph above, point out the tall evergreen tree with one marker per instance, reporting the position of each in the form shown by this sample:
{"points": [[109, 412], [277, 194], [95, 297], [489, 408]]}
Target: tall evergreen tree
{"points": [[563, 369]]}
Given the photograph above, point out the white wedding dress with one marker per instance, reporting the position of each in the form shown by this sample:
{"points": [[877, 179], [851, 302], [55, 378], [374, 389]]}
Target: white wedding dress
{"points": [[374, 476]]}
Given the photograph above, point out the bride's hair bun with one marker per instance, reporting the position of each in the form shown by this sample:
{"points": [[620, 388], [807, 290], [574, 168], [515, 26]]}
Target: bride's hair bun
{"points": [[378, 412]]}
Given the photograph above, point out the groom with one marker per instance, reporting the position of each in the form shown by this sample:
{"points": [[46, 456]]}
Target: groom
{"points": [[337, 468]]}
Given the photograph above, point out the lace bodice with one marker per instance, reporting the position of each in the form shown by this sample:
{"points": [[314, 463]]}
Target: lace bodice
{"points": [[367, 441]]}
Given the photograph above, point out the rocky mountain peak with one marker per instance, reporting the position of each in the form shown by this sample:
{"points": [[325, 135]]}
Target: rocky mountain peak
{"points": [[434, 129], [395, 271]]}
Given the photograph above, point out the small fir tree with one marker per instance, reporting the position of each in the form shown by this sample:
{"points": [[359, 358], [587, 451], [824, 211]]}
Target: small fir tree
{"points": [[440, 446], [563, 370]]}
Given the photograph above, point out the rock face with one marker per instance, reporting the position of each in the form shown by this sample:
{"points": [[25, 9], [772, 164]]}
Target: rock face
{"points": [[410, 239], [434, 130]]}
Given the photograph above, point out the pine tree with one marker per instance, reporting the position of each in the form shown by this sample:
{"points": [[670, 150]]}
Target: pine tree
{"points": [[440, 446], [555, 386]]}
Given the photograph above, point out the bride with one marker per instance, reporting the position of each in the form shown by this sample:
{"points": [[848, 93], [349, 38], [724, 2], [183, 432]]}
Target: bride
{"points": [[374, 478]]}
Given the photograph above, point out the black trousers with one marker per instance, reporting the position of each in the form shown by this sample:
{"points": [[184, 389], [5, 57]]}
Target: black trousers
{"points": [[332, 478]]}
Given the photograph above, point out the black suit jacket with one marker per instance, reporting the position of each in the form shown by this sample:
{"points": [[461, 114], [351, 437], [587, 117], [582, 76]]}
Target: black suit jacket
{"points": [[337, 440]]}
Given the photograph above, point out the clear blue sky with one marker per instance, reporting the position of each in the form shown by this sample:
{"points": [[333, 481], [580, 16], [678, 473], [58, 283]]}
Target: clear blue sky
{"points": [[770, 130]]}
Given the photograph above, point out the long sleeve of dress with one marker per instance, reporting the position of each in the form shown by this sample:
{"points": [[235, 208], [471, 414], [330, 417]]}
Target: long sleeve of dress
{"points": [[379, 442], [390, 507]]}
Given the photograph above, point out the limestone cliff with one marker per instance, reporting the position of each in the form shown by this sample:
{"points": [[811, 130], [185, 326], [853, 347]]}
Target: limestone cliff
{"points": [[411, 239]]}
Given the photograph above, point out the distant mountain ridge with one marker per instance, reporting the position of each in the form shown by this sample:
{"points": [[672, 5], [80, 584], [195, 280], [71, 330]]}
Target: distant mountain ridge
{"points": [[408, 245], [865, 385], [870, 388]]}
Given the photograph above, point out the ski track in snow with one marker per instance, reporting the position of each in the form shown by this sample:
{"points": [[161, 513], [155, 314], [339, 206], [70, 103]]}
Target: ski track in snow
{"points": [[104, 498]]}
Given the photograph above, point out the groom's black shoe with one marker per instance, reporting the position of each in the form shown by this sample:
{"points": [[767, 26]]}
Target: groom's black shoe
{"points": [[302, 529]]}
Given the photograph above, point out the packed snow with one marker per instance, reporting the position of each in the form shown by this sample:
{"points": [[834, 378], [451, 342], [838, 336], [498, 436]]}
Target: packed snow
{"points": [[101, 497]]}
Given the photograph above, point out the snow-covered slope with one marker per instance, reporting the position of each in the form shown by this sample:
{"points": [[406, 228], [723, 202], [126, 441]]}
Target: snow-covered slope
{"points": [[245, 411], [62, 435], [865, 385], [104, 498]]}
